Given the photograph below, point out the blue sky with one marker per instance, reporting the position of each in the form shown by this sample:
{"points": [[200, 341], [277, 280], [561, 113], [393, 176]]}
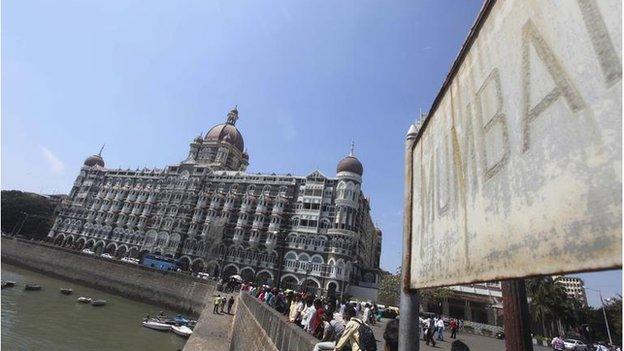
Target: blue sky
{"points": [[146, 77]]}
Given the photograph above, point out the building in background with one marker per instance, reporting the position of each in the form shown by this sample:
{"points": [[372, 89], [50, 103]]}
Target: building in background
{"points": [[480, 303], [310, 231], [573, 287]]}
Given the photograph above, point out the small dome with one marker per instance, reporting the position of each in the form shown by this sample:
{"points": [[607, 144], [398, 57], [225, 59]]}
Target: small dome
{"points": [[350, 164], [95, 160], [227, 133]]}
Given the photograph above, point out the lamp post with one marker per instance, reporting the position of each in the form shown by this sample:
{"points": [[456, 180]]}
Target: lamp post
{"points": [[604, 312], [308, 269]]}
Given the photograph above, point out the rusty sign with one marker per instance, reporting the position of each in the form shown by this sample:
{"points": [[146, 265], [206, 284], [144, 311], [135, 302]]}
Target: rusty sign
{"points": [[516, 171]]}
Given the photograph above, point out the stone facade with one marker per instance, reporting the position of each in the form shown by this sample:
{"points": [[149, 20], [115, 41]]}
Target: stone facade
{"points": [[214, 217]]}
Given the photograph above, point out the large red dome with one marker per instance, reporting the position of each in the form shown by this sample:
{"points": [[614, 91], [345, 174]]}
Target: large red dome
{"points": [[228, 133]]}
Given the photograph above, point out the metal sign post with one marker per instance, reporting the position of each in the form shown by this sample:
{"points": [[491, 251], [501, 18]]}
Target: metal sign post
{"points": [[409, 325], [516, 316]]}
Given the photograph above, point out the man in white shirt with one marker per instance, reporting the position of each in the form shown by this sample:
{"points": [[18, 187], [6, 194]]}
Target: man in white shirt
{"points": [[307, 315], [440, 328], [366, 315]]}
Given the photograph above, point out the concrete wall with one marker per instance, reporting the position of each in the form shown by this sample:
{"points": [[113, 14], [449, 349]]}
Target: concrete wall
{"points": [[257, 326], [177, 291]]}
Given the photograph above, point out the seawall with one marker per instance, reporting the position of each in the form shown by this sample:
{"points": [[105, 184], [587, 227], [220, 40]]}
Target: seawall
{"points": [[257, 326], [173, 290]]}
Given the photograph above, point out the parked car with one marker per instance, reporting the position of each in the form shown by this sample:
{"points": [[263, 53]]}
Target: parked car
{"points": [[108, 256], [203, 275], [88, 252], [130, 260], [574, 344]]}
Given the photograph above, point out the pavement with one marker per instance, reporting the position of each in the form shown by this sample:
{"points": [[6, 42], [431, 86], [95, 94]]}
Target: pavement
{"points": [[474, 342], [211, 329]]}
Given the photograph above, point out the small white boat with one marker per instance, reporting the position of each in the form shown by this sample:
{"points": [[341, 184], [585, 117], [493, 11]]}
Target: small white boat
{"points": [[84, 299], [156, 325], [182, 330]]}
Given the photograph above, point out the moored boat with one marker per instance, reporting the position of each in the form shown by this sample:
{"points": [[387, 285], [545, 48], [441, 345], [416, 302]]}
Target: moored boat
{"points": [[66, 291], [7, 284], [182, 330], [32, 287], [98, 302], [156, 325], [84, 299]]}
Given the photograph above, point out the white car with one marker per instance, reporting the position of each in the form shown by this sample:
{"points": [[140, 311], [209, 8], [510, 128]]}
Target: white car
{"points": [[88, 252], [108, 256], [203, 275], [574, 344]]}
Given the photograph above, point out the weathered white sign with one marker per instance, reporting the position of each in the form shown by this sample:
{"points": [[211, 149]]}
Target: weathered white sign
{"points": [[517, 170]]}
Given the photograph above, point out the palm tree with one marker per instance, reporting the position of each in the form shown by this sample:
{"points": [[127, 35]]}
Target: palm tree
{"points": [[549, 304]]}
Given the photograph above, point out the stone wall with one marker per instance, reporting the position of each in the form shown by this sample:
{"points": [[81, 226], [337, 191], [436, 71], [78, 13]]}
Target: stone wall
{"points": [[257, 326], [174, 290]]}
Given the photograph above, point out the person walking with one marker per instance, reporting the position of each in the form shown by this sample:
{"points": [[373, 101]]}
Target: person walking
{"points": [[430, 325], [440, 328], [230, 304], [217, 301], [223, 302], [453, 326], [557, 343], [366, 314]]}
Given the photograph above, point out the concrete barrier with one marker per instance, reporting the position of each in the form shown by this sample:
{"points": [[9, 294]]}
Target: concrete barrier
{"points": [[257, 326], [174, 290]]}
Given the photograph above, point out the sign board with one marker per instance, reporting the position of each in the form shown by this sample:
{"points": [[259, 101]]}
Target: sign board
{"points": [[516, 171]]}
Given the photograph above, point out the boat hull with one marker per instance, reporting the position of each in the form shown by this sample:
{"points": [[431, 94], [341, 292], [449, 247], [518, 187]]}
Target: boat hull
{"points": [[157, 326], [182, 331]]}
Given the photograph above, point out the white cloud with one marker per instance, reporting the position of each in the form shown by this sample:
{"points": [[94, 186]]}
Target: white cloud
{"points": [[56, 165]]}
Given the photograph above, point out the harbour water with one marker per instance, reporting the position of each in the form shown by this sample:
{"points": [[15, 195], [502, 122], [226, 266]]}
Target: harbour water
{"points": [[48, 320]]}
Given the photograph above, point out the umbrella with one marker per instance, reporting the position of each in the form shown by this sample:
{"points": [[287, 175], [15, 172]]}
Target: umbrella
{"points": [[236, 277]]}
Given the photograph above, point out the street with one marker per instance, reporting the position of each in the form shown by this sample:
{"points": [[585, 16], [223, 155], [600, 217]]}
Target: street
{"points": [[474, 342]]}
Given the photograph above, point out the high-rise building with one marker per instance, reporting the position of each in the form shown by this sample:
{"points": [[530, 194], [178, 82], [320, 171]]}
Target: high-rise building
{"points": [[212, 216], [573, 287]]}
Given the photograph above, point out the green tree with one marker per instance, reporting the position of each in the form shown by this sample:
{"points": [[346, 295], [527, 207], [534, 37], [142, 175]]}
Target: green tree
{"points": [[549, 305], [435, 296], [16, 204], [390, 289]]}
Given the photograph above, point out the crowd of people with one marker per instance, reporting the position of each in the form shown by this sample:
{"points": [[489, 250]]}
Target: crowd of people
{"points": [[336, 323], [434, 326]]}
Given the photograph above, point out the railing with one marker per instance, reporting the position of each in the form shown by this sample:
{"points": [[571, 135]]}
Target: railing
{"points": [[283, 334]]}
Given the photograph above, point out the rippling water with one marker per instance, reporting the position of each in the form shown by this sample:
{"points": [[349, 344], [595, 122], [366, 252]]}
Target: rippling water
{"points": [[48, 320]]}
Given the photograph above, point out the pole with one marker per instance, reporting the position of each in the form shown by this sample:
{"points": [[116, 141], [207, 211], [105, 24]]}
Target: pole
{"points": [[409, 321], [22, 225], [516, 316], [604, 313]]}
